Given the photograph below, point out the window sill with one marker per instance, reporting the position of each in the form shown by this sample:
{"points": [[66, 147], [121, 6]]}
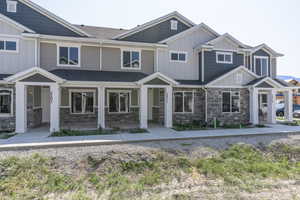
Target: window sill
{"points": [[60, 65]]}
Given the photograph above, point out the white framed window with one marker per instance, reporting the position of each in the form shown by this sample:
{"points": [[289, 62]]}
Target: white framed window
{"points": [[9, 45], [82, 101], [224, 57], [174, 25], [118, 101], [261, 65], [68, 55], [183, 102], [11, 6], [231, 102], [6, 102], [131, 59], [176, 56]]}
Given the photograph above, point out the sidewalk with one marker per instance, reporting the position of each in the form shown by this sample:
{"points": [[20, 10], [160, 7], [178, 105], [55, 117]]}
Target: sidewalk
{"points": [[40, 139]]}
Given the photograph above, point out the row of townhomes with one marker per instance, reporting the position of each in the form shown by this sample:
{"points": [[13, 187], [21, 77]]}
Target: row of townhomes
{"points": [[164, 72]]}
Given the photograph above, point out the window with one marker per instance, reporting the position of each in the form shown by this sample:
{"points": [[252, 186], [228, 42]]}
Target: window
{"points": [[11, 6], [68, 56], [174, 25], [261, 65], [8, 45], [178, 56], [224, 57], [5, 102], [131, 59], [82, 102], [231, 102], [183, 102], [118, 101]]}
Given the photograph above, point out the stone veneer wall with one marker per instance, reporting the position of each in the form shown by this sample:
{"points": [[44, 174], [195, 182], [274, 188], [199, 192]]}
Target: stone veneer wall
{"points": [[129, 119], [9, 123], [199, 108], [214, 107], [34, 117], [67, 118]]}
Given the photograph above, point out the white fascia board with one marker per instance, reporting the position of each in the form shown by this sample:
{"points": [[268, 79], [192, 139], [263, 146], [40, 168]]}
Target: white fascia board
{"points": [[99, 84], [54, 17], [15, 24], [267, 49]]}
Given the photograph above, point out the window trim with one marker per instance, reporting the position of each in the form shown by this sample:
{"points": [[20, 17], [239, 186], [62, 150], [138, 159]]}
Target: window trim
{"points": [[224, 53], [231, 101], [119, 91], [11, 103], [82, 91], [6, 39], [178, 52], [69, 46], [261, 57], [174, 25], [183, 110], [131, 50]]}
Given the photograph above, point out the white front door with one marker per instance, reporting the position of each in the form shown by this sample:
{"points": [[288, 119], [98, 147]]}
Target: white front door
{"points": [[46, 104], [150, 103]]}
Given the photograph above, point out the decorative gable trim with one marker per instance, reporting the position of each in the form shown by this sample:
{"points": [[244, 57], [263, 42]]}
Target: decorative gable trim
{"points": [[15, 24], [269, 81], [267, 49], [160, 76], [147, 25], [54, 17]]}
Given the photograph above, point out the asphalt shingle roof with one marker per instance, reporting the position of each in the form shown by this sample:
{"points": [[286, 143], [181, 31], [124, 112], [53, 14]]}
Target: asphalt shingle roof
{"points": [[101, 32]]}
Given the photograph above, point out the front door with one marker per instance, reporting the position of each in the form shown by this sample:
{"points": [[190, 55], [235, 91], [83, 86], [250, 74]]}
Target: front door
{"points": [[46, 104], [263, 107]]}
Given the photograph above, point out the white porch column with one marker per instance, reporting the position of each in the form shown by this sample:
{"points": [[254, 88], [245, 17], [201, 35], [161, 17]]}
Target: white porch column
{"points": [[54, 107], [101, 107], [21, 108], [169, 107], [272, 107], [254, 106], [288, 107], [144, 107]]}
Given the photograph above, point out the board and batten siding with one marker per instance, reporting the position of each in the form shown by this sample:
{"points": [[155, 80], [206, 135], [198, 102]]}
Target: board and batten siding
{"points": [[89, 58], [12, 62], [179, 70], [111, 60]]}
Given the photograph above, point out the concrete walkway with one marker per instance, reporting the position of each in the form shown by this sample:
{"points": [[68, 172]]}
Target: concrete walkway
{"points": [[40, 137]]}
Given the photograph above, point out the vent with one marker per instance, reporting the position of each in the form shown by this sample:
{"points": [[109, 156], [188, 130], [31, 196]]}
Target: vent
{"points": [[11, 6], [174, 24]]}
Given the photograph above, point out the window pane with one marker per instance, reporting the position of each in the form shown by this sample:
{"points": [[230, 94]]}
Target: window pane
{"points": [[178, 97], [264, 66], [258, 66], [124, 102], [221, 57], [63, 55], [89, 102], [126, 59], [5, 104], [174, 56], [76, 102], [135, 59], [226, 102], [182, 57], [73, 56], [1, 45], [235, 103], [228, 58], [11, 46], [113, 102], [188, 102]]}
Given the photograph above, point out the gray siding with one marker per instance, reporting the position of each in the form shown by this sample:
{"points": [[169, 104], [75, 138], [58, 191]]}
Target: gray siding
{"points": [[212, 69], [157, 33], [111, 60], [261, 53], [90, 57]]}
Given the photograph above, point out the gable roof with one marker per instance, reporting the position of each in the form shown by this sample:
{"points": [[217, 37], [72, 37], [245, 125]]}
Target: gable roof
{"points": [[195, 28], [15, 24], [267, 48], [266, 79], [227, 37], [159, 76], [101, 32], [39, 20], [144, 26]]}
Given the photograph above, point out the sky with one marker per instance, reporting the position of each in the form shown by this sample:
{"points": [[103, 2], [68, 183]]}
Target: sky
{"points": [[253, 22]]}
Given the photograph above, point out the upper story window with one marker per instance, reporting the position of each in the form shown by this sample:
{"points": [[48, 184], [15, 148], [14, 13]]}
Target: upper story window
{"points": [[6, 102], [68, 56], [11, 6], [131, 59], [224, 57], [231, 102], [8, 45], [178, 56], [261, 65], [174, 25]]}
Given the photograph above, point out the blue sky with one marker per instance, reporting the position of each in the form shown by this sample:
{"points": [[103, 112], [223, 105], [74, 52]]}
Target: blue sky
{"points": [[274, 22]]}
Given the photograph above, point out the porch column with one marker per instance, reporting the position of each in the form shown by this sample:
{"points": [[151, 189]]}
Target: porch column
{"points": [[169, 107], [288, 107], [54, 108], [21, 108], [144, 107], [254, 105], [101, 107], [272, 107]]}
